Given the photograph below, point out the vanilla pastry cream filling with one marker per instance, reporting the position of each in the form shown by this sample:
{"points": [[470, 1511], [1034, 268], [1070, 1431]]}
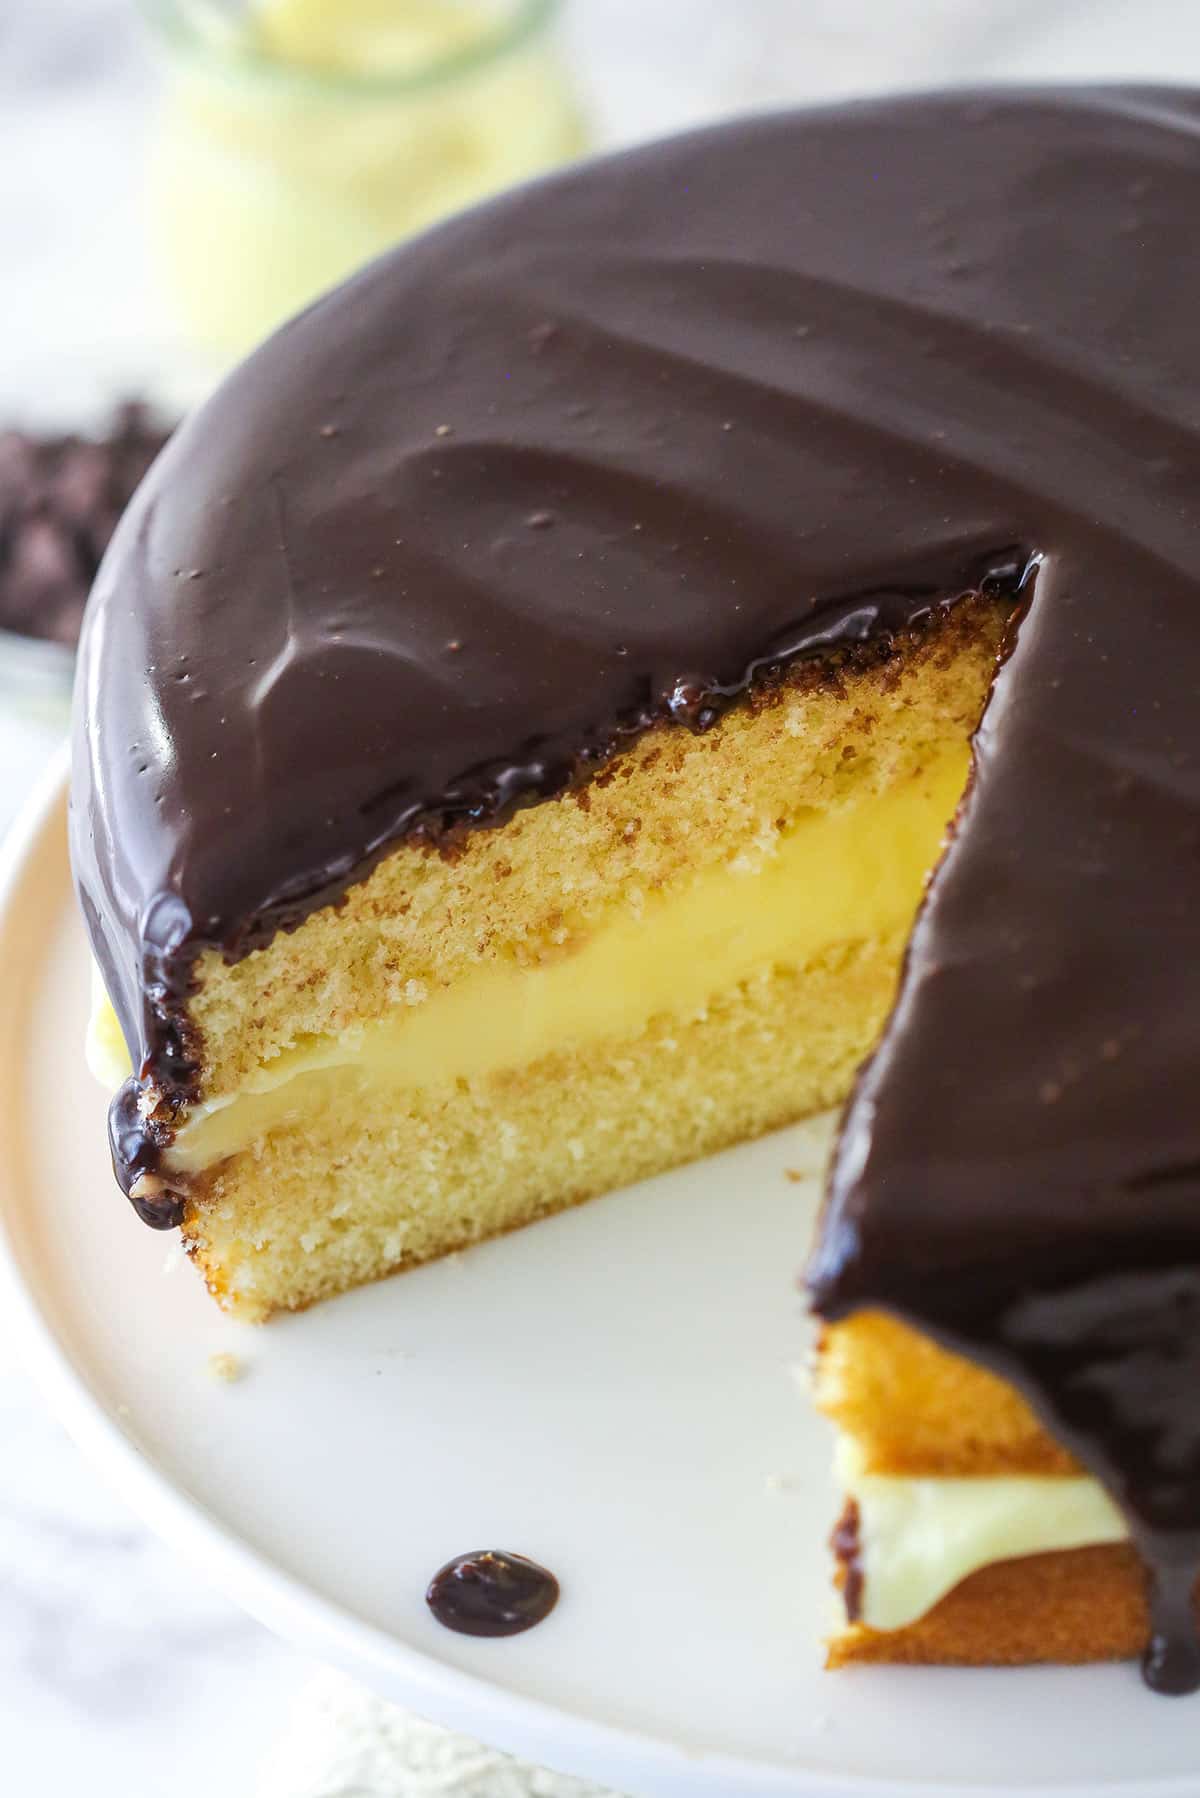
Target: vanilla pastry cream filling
{"points": [[844, 875], [918, 1538]]}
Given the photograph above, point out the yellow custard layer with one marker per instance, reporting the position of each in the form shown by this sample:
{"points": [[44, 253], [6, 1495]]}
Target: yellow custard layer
{"points": [[832, 877], [918, 1538]]}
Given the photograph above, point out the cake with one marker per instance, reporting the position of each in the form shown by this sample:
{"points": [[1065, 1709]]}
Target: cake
{"points": [[521, 712]]}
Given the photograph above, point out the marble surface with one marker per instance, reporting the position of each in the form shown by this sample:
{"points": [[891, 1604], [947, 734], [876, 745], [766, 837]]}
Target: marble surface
{"points": [[115, 1660], [114, 1657]]}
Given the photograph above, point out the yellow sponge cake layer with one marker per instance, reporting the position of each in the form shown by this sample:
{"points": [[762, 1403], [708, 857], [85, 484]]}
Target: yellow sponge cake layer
{"points": [[913, 1407], [671, 807], [315, 1206], [669, 955], [699, 946]]}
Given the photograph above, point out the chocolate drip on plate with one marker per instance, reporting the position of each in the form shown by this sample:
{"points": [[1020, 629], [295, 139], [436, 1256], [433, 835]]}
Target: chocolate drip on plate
{"points": [[602, 453], [490, 1593]]}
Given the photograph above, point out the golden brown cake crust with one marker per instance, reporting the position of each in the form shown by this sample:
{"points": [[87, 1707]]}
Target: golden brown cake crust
{"points": [[1080, 1604], [915, 1408]]}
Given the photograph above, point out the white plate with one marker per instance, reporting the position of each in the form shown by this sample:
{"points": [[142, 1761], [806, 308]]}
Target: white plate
{"points": [[612, 1392]]}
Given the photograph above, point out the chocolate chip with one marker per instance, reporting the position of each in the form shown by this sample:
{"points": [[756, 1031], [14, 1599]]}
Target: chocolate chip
{"points": [[60, 500]]}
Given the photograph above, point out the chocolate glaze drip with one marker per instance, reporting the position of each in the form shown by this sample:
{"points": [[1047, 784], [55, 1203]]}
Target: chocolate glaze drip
{"points": [[602, 453], [846, 1546], [489, 1593], [136, 1144]]}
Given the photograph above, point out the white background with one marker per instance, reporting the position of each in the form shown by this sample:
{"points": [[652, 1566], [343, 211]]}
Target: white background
{"points": [[117, 1664]]}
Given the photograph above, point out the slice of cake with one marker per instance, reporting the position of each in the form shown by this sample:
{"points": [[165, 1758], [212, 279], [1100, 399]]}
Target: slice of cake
{"points": [[518, 715], [695, 947]]}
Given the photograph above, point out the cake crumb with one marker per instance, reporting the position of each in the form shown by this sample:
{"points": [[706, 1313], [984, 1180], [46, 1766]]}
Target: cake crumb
{"points": [[797, 1174], [225, 1367]]}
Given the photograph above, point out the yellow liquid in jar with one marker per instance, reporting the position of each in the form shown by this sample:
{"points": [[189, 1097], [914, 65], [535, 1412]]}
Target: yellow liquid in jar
{"points": [[266, 191], [392, 37]]}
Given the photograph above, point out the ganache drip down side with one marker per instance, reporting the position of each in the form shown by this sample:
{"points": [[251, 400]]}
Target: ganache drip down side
{"points": [[581, 460]]}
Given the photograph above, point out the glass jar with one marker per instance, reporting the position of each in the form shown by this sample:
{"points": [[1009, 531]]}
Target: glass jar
{"points": [[299, 138]]}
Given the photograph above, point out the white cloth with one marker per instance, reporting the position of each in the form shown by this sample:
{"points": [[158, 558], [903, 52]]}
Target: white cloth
{"points": [[345, 1743]]}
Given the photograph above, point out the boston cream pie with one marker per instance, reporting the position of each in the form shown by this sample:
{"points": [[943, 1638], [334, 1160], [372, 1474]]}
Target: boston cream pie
{"points": [[519, 713]]}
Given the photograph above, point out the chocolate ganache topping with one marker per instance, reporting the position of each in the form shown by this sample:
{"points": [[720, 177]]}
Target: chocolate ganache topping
{"points": [[605, 452]]}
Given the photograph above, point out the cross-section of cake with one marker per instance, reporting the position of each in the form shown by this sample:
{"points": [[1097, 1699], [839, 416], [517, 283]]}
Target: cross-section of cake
{"points": [[696, 946], [516, 722]]}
